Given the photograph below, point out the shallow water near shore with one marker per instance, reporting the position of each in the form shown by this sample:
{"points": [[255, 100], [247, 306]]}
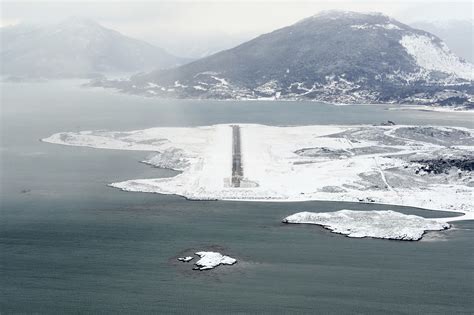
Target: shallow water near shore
{"points": [[69, 243]]}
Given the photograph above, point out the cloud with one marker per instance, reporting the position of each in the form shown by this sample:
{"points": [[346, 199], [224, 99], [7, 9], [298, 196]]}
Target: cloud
{"points": [[169, 22]]}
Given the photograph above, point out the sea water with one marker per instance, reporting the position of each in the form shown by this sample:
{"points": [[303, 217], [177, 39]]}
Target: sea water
{"points": [[71, 244]]}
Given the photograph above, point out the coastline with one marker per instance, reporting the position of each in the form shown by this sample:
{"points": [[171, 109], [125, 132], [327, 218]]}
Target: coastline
{"points": [[278, 99], [463, 215], [276, 173]]}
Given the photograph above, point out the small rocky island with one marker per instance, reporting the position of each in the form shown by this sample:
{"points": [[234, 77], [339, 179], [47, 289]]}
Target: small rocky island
{"points": [[385, 224], [209, 260], [185, 259]]}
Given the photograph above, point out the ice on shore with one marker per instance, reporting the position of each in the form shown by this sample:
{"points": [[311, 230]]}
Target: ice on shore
{"points": [[385, 224], [210, 260], [185, 259]]}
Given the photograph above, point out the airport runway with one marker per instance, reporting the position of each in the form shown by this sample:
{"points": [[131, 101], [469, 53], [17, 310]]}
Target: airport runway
{"points": [[237, 170]]}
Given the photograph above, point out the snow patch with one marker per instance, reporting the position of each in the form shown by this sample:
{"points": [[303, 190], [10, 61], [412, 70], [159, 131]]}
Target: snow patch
{"points": [[152, 85], [177, 84], [387, 26], [220, 80], [432, 56], [269, 88], [199, 87]]}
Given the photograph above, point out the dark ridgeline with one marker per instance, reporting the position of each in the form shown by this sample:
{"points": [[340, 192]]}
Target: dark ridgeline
{"points": [[237, 171]]}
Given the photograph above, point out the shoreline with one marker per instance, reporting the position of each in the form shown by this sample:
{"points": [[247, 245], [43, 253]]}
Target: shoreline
{"points": [[463, 216], [440, 109], [87, 84], [338, 163]]}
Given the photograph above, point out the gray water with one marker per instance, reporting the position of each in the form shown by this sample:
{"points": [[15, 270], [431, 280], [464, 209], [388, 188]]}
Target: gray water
{"points": [[70, 244]]}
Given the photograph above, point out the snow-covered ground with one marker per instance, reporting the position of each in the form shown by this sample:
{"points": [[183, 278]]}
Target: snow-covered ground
{"points": [[210, 260], [381, 164], [433, 56], [384, 224]]}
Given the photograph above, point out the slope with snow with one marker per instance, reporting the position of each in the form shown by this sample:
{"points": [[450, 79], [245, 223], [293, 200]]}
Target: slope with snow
{"points": [[433, 56], [337, 57], [457, 34]]}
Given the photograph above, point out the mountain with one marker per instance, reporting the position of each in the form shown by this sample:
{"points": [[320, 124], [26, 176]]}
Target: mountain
{"points": [[76, 47], [334, 56], [457, 34]]}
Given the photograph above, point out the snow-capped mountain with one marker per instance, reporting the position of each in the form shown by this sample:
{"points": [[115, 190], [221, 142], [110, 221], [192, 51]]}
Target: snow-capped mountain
{"points": [[76, 47], [457, 34], [334, 56]]}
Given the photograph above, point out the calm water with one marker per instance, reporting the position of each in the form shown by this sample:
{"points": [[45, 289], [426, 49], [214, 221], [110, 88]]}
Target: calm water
{"points": [[70, 244]]}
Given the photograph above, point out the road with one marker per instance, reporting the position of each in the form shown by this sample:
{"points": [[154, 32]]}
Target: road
{"points": [[237, 170]]}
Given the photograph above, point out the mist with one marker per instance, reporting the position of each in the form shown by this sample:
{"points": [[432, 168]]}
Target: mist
{"points": [[198, 28]]}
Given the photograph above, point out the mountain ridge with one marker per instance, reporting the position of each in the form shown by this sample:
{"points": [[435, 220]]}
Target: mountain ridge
{"points": [[76, 47], [334, 56]]}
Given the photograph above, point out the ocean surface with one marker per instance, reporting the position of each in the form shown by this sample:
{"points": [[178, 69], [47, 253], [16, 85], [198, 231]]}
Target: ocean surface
{"points": [[71, 244]]}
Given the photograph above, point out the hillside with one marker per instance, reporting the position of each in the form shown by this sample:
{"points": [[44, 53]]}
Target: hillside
{"points": [[334, 56], [76, 47]]}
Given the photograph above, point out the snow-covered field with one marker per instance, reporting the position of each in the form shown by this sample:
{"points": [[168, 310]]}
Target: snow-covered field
{"points": [[381, 164], [384, 224]]}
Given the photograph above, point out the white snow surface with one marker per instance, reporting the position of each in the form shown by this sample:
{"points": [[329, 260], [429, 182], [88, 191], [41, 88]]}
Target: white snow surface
{"points": [[210, 260], [287, 164], [387, 26], [432, 56], [385, 224], [221, 81], [269, 88], [199, 87], [185, 259]]}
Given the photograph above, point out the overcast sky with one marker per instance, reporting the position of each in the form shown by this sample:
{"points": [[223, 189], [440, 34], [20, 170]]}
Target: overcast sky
{"points": [[171, 23]]}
